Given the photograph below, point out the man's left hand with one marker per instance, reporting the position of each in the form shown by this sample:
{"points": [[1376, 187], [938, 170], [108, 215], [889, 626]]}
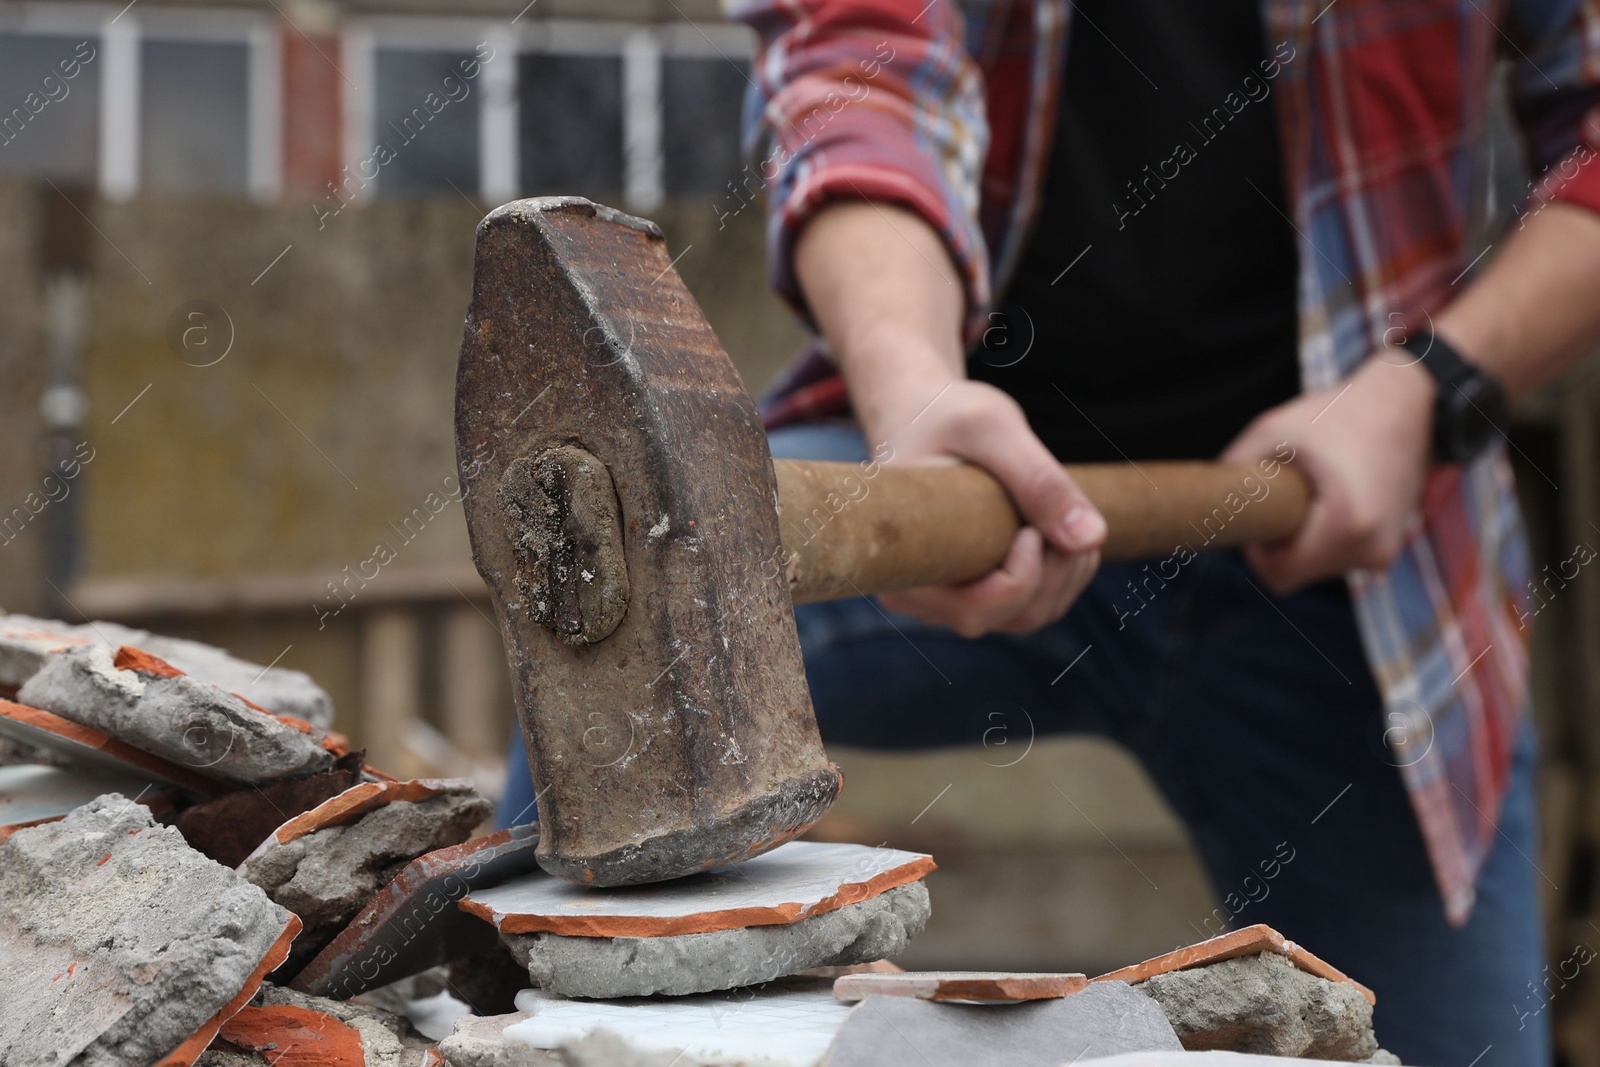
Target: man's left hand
{"points": [[1364, 445]]}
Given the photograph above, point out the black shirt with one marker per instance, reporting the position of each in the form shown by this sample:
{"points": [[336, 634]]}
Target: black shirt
{"points": [[1156, 297]]}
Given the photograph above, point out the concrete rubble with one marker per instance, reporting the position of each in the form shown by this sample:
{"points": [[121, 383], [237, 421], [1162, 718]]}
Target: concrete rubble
{"points": [[145, 702], [480, 1041], [327, 875], [119, 943], [1264, 1004], [26, 643], [873, 929], [194, 864]]}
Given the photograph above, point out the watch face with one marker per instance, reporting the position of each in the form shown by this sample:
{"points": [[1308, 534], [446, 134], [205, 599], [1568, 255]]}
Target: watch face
{"points": [[1474, 414]]}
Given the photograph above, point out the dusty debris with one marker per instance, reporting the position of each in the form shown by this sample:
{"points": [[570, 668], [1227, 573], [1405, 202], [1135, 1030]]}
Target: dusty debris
{"points": [[157, 947], [327, 873], [25, 644], [724, 959], [479, 1041], [1264, 1004], [146, 702]]}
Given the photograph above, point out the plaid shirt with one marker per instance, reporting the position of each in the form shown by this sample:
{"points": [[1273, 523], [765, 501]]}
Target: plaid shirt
{"points": [[1382, 109]]}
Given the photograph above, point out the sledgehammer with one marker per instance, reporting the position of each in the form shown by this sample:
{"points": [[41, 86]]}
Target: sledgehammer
{"points": [[644, 553]]}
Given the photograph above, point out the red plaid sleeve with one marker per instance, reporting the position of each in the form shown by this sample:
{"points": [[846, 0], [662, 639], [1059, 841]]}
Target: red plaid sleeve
{"points": [[867, 100]]}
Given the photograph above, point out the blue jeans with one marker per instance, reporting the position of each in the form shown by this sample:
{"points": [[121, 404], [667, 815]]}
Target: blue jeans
{"points": [[1258, 720]]}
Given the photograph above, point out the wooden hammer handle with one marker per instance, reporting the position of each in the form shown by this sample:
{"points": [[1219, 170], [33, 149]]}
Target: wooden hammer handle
{"points": [[855, 528]]}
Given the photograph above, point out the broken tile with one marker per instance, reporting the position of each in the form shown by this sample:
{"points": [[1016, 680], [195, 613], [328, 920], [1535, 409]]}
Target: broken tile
{"points": [[413, 922], [146, 702], [789, 1023], [326, 864], [26, 642], [84, 746], [387, 1039], [158, 946], [793, 881], [31, 794], [681, 964], [230, 827], [296, 1037], [1264, 1004], [1247, 941], [988, 987], [1102, 1020]]}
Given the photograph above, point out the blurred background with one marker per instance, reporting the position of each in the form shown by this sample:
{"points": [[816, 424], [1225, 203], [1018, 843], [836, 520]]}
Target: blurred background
{"points": [[235, 250]]}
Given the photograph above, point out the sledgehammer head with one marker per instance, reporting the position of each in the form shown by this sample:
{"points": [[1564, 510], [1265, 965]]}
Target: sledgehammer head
{"points": [[622, 507]]}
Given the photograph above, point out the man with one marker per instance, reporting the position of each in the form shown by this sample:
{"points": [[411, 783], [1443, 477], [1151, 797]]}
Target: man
{"points": [[1235, 228]]}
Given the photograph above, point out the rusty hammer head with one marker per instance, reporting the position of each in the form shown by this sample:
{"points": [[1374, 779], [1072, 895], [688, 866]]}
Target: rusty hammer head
{"points": [[621, 501]]}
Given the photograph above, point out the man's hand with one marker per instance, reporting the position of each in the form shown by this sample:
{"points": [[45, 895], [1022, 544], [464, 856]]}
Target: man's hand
{"points": [[886, 296], [1052, 557], [1364, 445]]}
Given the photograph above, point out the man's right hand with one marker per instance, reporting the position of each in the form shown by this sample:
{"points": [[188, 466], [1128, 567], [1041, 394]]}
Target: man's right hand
{"points": [[882, 289]]}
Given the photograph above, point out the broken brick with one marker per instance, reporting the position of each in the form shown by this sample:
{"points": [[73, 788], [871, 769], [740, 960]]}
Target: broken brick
{"points": [[213, 732], [327, 863]]}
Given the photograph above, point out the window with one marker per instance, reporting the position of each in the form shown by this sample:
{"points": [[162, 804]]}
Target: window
{"points": [[49, 106], [427, 116], [702, 99], [571, 124], [194, 116]]}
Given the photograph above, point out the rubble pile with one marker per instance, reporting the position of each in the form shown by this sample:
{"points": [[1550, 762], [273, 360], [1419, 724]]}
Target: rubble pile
{"points": [[194, 869]]}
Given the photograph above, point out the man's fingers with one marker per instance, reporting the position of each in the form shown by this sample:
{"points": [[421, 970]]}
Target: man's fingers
{"points": [[986, 604], [1045, 495], [1287, 566], [1066, 574]]}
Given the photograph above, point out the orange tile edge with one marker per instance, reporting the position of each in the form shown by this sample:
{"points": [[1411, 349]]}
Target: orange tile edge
{"points": [[358, 800], [103, 742], [703, 922], [1247, 941], [185, 1054]]}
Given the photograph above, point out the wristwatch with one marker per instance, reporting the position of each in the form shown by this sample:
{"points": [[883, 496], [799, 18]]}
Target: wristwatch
{"points": [[1470, 409]]}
